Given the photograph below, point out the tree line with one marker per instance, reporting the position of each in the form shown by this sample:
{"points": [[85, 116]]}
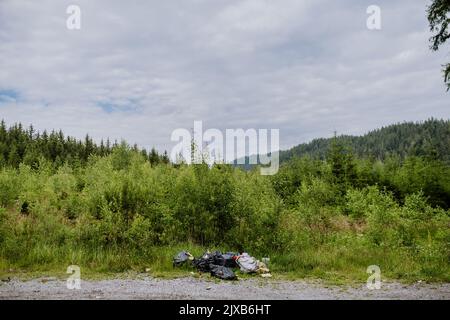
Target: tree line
{"points": [[430, 139], [26, 145]]}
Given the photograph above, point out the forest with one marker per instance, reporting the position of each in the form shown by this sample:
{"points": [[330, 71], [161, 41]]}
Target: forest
{"points": [[402, 139], [426, 139], [335, 207], [19, 145]]}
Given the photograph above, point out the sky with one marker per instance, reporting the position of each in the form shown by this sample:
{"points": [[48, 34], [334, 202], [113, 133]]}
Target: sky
{"points": [[138, 70]]}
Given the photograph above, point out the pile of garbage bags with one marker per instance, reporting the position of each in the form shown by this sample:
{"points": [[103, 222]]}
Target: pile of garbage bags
{"points": [[221, 265]]}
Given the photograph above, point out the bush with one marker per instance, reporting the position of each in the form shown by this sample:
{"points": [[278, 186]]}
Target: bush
{"points": [[382, 216], [357, 203], [317, 193], [9, 186]]}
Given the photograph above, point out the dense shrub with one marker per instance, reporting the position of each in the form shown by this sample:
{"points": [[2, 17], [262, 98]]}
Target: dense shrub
{"points": [[118, 210], [9, 186]]}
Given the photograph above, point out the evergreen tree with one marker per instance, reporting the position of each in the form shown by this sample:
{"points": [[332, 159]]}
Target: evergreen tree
{"points": [[88, 148], [154, 157], [342, 163], [13, 157], [165, 158], [102, 151], [144, 154]]}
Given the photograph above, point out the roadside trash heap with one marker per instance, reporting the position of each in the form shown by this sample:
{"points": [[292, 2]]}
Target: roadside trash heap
{"points": [[221, 265]]}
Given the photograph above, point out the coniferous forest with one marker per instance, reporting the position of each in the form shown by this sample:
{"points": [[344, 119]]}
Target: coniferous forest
{"points": [[25, 145], [335, 207]]}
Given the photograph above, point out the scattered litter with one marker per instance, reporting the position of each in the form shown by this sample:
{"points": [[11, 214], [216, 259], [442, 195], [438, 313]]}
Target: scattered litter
{"points": [[220, 264], [262, 267], [147, 270]]}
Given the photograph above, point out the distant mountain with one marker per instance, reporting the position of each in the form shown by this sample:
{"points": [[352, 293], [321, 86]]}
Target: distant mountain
{"points": [[429, 138]]}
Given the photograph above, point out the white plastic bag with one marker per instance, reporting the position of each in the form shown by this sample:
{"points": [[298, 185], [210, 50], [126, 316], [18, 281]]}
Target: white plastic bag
{"points": [[247, 263]]}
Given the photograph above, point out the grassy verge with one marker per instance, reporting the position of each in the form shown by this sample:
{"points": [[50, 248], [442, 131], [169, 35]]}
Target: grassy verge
{"points": [[332, 264]]}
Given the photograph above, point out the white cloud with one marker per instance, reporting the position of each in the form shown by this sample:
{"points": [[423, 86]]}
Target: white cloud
{"points": [[140, 70]]}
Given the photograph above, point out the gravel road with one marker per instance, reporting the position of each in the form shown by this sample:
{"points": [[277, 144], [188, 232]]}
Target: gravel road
{"points": [[194, 288]]}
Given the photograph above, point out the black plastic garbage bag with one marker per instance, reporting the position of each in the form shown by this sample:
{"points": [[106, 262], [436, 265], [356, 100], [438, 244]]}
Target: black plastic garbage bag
{"points": [[222, 272], [228, 260], [225, 259], [181, 258], [202, 264], [215, 258]]}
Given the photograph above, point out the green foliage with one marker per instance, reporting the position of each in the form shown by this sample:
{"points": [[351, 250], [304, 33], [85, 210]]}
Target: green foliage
{"points": [[295, 172], [9, 186], [342, 164], [317, 193], [120, 211], [19, 145], [430, 138], [438, 17]]}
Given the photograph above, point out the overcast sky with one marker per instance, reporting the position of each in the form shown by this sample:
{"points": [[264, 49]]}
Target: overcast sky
{"points": [[137, 70]]}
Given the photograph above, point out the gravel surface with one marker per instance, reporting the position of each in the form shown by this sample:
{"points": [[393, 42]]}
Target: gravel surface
{"points": [[194, 288]]}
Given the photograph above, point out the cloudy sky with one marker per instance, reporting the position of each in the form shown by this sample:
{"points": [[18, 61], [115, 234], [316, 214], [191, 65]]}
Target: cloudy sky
{"points": [[137, 70]]}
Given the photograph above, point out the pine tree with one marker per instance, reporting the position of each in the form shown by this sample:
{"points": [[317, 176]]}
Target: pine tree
{"points": [[144, 154], [13, 157], [88, 148], [108, 146], [342, 163], [165, 158], [154, 157], [102, 149], [336, 159]]}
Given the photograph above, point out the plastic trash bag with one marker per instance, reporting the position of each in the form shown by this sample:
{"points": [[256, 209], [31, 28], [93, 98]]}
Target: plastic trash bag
{"points": [[215, 258], [181, 258], [229, 260], [247, 263], [202, 263], [222, 272], [225, 259]]}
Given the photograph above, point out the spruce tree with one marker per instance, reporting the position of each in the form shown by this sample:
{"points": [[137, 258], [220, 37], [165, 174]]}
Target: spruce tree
{"points": [[154, 157], [165, 158]]}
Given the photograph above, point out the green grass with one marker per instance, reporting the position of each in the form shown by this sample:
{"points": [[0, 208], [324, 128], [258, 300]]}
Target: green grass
{"points": [[332, 264]]}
